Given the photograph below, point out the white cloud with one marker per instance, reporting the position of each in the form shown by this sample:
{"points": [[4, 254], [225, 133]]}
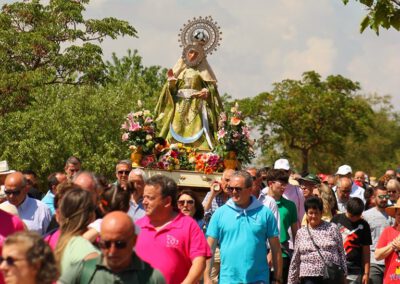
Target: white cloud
{"points": [[319, 55]]}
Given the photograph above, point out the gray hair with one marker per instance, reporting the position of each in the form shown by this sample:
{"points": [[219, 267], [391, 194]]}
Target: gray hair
{"points": [[124, 162], [73, 161], [138, 172], [393, 184], [248, 179]]}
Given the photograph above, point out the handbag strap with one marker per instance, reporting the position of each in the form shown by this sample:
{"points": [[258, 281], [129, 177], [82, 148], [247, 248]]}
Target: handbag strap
{"points": [[317, 247]]}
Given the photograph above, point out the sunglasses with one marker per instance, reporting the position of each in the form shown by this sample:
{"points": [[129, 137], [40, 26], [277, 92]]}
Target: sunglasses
{"points": [[117, 244], [123, 172], [384, 196], [10, 260], [254, 178], [232, 188], [183, 202], [392, 191], [13, 192]]}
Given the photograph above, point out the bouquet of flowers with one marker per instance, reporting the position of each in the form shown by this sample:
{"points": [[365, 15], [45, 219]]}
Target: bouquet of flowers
{"points": [[208, 163], [234, 137], [139, 130], [178, 157]]}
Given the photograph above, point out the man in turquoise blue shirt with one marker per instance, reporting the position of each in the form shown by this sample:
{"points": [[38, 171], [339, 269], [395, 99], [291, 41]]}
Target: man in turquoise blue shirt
{"points": [[242, 227], [53, 180]]}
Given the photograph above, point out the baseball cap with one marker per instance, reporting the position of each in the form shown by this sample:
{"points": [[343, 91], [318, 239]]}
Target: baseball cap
{"points": [[344, 170], [282, 164]]}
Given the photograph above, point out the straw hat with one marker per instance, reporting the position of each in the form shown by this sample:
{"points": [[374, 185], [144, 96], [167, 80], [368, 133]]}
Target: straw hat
{"points": [[391, 210], [4, 169]]}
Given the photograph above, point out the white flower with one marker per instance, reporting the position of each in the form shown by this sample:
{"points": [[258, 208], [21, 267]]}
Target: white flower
{"points": [[146, 112], [139, 103], [149, 137]]}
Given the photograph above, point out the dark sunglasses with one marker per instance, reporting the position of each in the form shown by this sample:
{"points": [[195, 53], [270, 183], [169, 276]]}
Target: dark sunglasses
{"points": [[183, 202], [9, 260], [13, 192], [232, 188], [123, 172], [254, 178], [384, 196], [107, 244]]}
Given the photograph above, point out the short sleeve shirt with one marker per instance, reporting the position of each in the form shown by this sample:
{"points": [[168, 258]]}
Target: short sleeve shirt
{"points": [[355, 235], [242, 239], [287, 217], [392, 267], [9, 225], [173, 248]]}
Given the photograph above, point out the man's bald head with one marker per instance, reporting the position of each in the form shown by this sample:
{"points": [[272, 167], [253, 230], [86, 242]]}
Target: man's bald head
{"points": [[344, 185], [118, 238], [118, 222], [87, 181], [15, 188]]}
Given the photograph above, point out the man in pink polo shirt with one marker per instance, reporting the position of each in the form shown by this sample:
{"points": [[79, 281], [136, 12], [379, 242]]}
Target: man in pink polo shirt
{"points": [[170, 241], [9, 225]]}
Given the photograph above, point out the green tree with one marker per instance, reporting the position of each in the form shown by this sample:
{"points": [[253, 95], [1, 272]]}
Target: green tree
{"points": [[81, 120], [301, 117], [46, 44], [381, 148], [380, 13]]}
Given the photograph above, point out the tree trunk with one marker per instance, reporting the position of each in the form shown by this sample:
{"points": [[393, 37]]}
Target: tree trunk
{"points": [[304, 154]]}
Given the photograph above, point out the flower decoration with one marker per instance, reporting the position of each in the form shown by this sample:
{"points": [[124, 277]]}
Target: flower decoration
{"points": [[139, 130], [234, 136], [208, 163]]}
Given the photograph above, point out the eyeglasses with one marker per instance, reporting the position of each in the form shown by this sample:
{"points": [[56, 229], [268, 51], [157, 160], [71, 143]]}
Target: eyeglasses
{"points": [[384, 196], [232, 188], [392, 191], [10, 260], [183, 202], [13, 192], [117, 244], [123, 172], [254, 178]]}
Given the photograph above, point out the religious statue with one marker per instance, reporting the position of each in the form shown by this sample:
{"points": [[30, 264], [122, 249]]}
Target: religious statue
{"points": [[189, 100]]}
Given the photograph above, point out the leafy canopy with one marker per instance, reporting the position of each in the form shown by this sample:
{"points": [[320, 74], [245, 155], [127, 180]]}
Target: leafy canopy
{"points": [[380, 13], [308, 114], [46, 44]]}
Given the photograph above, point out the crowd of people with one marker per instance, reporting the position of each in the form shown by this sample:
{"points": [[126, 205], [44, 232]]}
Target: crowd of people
{"points": [[257, 225]]}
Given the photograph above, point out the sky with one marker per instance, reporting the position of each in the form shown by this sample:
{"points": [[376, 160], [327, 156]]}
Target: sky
{"points": [[263, 41]]}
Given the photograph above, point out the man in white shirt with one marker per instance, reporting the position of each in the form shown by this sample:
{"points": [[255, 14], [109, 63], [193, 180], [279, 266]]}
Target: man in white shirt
{"points": [[356, 191], [34, 213]]}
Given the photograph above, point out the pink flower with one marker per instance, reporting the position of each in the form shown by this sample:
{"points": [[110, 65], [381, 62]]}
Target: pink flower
{"points": [[246, 132], [124, 126], [148, 120], [125, 137], [221, 133], [134, 127]]}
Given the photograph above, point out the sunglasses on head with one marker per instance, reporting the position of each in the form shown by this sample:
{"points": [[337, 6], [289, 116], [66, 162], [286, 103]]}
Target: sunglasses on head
{"points": [[232, 188], [9, 260], [117, 244], [183, 202], [123, 172]]}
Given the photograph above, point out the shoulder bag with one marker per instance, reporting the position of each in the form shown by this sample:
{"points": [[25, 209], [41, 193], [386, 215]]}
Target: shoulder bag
{"points": [[332, 273]]}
